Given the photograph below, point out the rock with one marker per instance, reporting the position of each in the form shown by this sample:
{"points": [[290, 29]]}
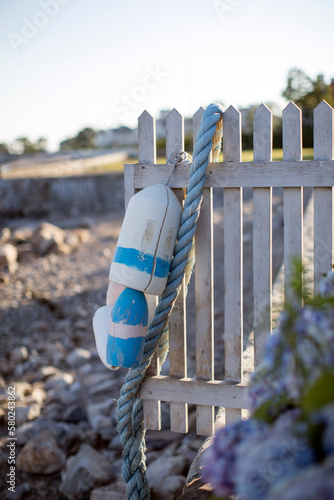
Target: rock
{"points": [[24, 414], [24, 250], [77, 357], [5, 235], [196, 490], [8, 257], [37, 396], [22, 389], [47, 238], [163, 468], [98, 414], [74, 413], [41, 455], [23, 234], [195, 468], [20, 492], [19, 354], [107, 492], [72, 239], [48, 371], [59, 381], [174, 485], [85, 471], [82, 234]]}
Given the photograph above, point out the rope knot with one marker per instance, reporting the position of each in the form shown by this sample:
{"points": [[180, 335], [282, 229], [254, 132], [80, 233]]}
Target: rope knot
{"points": [[178, 158]]}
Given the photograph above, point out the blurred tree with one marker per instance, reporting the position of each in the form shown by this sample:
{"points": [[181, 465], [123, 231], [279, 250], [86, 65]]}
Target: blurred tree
{"points": [[307, 94], [42, 144], [23, 145], [4, 151], [84, 140]]}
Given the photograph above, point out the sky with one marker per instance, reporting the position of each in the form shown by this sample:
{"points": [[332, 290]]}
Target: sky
{"points": [[68, 64]]}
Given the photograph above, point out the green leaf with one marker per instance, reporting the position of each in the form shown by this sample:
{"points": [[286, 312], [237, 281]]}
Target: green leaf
{"points": [[320, 394], [271, 409]]}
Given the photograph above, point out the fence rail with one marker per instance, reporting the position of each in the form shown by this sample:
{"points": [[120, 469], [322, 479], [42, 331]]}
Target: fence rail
{"points": [[292, 174]]}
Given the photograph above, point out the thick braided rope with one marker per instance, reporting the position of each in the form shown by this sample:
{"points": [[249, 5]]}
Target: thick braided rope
{"points": [[130, 407]]}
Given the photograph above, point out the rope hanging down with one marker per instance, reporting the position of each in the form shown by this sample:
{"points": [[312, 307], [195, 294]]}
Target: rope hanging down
{"points": [[130, 406]]}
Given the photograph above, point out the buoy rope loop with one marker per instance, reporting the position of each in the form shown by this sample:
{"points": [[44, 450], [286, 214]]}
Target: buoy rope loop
{"points": [[130, 415]]}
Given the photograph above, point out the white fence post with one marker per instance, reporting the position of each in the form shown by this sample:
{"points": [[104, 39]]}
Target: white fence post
{"points": [[233, 268], [323, 197], [292, 196], [262, 235]]}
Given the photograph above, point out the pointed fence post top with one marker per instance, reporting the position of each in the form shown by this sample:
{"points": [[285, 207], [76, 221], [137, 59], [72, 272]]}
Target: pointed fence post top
{"points": [[263, 134], [146, 138], [174, 114], [262, 110], [291, 109], [145, 117], [292, 132], [232, 114], [323, 132], [323, 110]]}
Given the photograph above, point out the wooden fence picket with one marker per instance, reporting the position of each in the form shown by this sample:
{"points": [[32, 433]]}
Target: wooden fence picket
{"points": [[204, 328], [233, 270], [177, 322], [147, 154], [292, 196], [262, 235], [323, 196]]}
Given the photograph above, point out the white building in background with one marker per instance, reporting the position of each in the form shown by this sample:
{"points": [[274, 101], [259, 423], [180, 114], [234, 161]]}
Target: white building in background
{"points": [[116, 137], [128, 137], [161, 124]]}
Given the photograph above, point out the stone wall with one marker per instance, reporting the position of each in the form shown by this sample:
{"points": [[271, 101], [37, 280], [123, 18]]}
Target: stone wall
{"points": [[66, 195]]}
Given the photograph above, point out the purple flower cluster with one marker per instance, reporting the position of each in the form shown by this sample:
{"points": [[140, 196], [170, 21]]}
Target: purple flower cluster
{"points": [[267, 456], [297, 352], [221, 458]]}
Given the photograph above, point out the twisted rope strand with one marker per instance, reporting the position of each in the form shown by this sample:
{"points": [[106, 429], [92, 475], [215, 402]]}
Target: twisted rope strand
{"points": [[130, 407]]}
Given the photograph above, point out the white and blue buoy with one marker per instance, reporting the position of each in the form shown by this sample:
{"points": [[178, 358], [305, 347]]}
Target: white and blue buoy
{"points": [[146, 242], [141, 265], [120, 329]]}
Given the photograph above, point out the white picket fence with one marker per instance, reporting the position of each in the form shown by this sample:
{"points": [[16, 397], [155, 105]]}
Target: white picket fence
{"points": [[262, 174]]}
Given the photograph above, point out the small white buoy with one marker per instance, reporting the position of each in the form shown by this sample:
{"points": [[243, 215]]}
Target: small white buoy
{"points": [[146, 243], [120, 329], [101, 321], [114, 289]]}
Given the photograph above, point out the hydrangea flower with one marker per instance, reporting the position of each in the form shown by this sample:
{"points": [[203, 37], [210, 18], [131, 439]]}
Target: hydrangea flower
{"points": [[220, 459], [297, 352], [286, 449], [312, 483]]}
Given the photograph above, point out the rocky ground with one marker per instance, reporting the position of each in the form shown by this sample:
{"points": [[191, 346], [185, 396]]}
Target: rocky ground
{"points": [[52, 280]]}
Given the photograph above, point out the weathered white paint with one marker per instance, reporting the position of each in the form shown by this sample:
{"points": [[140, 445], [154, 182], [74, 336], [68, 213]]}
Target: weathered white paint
{"points": [[147, 154], [177, 321], [307, 173], [323, 197], [233, 279], [262, 235], [292, 197], [204, 330], [193, 391]]}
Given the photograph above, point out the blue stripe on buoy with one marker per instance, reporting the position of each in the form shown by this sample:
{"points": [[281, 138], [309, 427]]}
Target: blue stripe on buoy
{"points": [[130, 308], [124, 352], [140, 261]]}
